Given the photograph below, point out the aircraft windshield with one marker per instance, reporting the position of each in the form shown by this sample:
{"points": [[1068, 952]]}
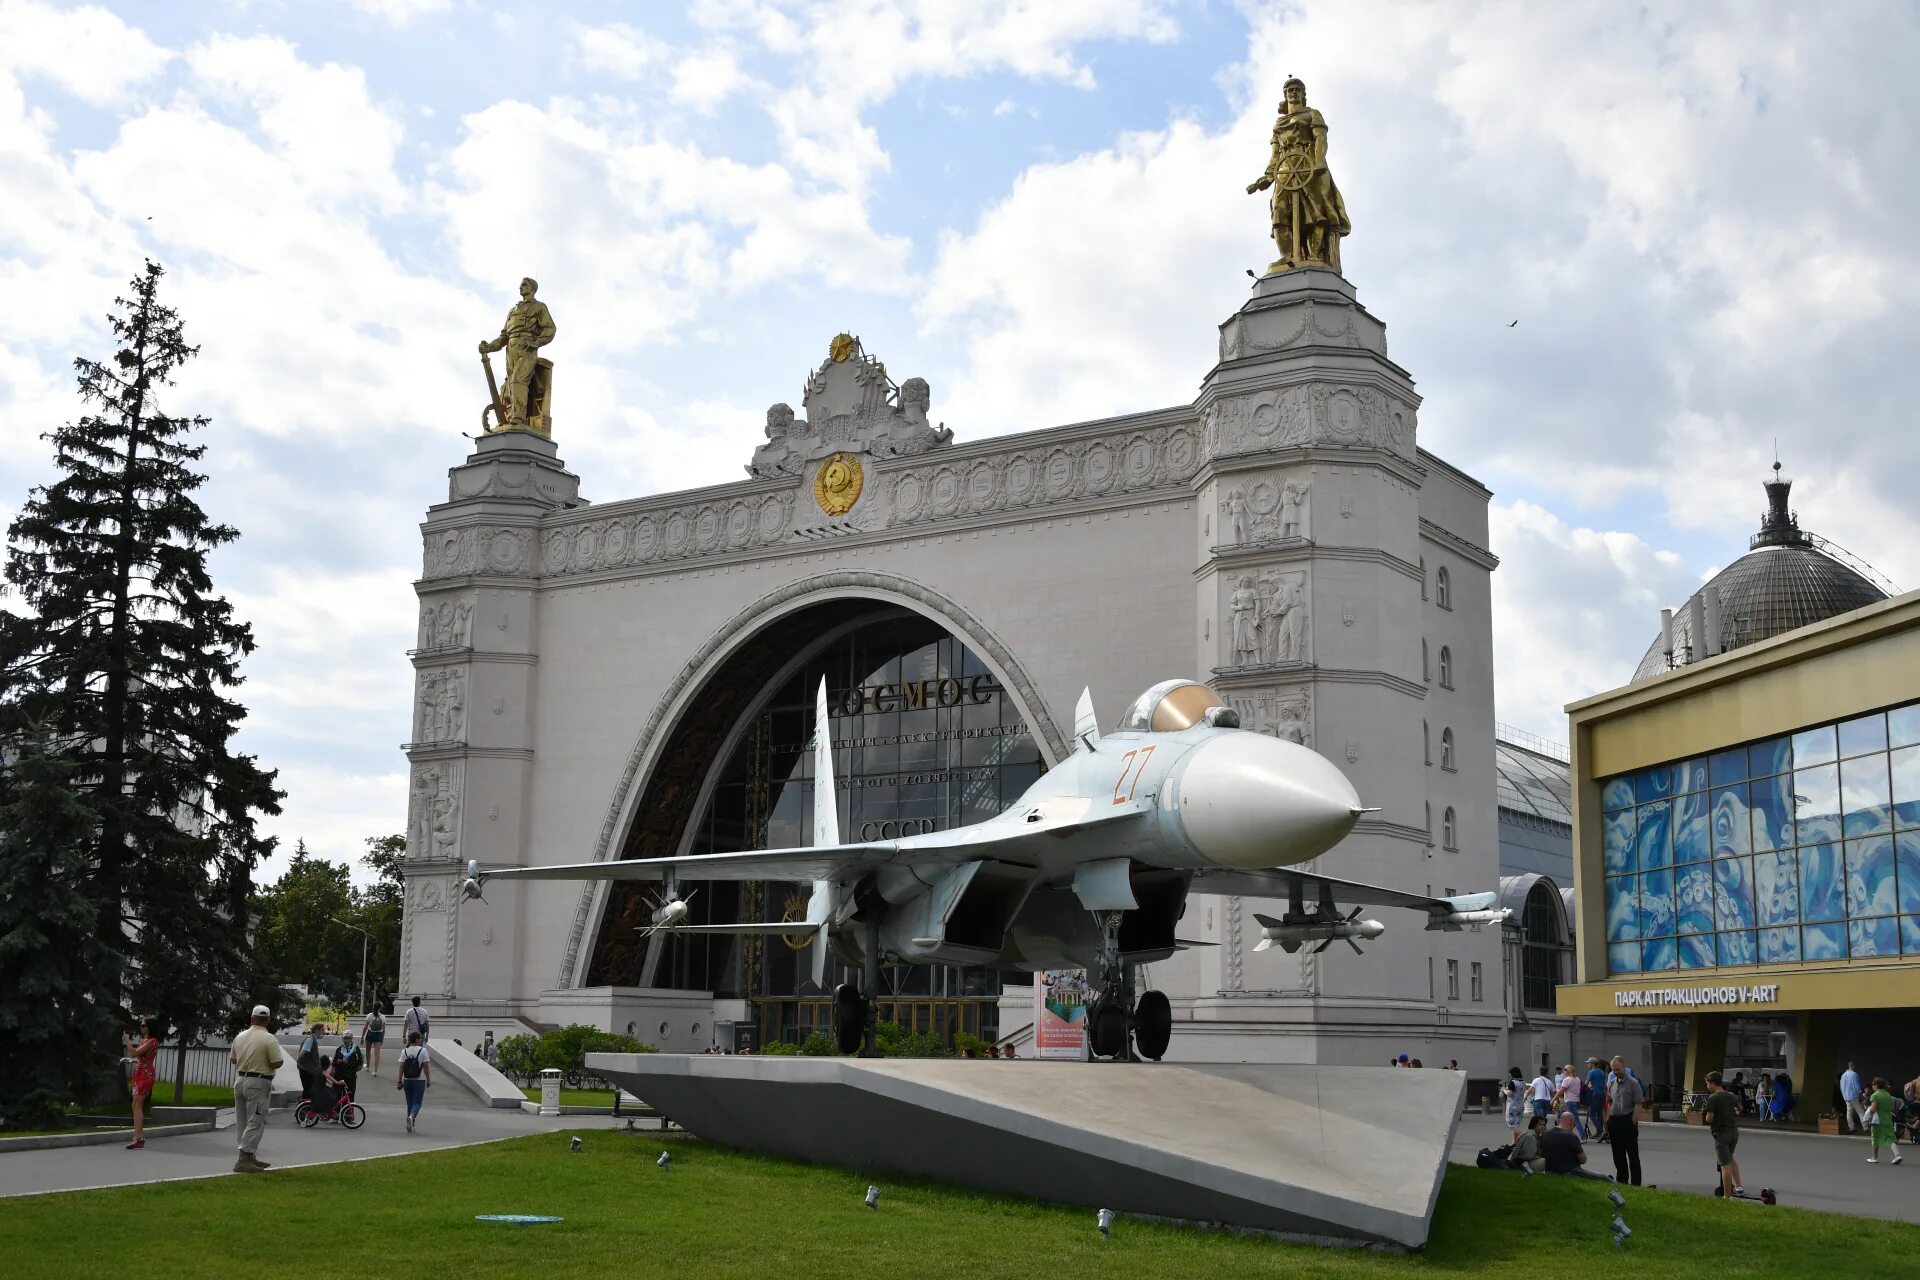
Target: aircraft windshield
{"points": [[1171, 705]]}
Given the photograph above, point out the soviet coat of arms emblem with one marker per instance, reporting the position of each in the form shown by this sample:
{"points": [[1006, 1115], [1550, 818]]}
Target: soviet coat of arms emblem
{"points": [[836, 485]]}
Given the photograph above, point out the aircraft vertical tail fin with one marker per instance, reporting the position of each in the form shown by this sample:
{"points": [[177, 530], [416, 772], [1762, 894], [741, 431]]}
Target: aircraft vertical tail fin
{"points": [[1086, 729], [826, 796], [826, 830]]}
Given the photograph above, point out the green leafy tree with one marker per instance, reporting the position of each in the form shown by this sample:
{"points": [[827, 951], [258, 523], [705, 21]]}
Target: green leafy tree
{"points": [[56, 1017], [298, 939], [123, 662], [378, 909]]}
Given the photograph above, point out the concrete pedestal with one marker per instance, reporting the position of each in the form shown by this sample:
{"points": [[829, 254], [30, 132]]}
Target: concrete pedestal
{"points": [[1337, 1154]]}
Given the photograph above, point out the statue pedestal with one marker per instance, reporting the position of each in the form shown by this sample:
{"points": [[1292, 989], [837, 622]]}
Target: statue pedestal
{"points": [[515, 466], [1307, 307]]}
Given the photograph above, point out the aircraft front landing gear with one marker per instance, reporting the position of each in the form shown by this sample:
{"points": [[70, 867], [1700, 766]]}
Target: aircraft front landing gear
{"points": [[1113, 1021]]}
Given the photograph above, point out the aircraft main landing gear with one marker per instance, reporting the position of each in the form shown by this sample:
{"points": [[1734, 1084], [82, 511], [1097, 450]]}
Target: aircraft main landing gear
{"points": [[856, 1013], [1110, 1021]]}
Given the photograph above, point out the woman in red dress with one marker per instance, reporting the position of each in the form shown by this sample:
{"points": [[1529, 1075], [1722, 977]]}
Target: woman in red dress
{"points": [[143, 1052]]}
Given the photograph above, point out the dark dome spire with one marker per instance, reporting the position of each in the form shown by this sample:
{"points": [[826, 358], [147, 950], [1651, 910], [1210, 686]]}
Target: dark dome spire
{"points": [[1789, 578], [1778, 526]]}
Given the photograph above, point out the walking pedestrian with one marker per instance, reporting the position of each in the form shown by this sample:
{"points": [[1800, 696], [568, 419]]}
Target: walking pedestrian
{"points": [[1723, 1122], [1855, 1099], [142, 1051], [1763, 1097], [1513, 1092], [1624, 1095], [1567, 1098], [1542, 1094], [488, 1051], [1595, 1095], [416, 1076], [374, 1032], [414, 1023], [1878, 1118], [255, 1056]]}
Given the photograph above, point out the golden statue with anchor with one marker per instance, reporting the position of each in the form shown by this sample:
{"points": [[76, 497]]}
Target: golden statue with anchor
{"points": [[1309, 217], [528, 404]]}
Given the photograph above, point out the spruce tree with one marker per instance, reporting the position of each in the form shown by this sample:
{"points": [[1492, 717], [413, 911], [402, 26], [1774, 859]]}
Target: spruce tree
{"points": [[56, 1011], [122, 663]]}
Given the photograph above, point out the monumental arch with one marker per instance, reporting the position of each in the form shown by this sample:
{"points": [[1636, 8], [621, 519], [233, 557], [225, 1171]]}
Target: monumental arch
{"points": [[597, 680]]}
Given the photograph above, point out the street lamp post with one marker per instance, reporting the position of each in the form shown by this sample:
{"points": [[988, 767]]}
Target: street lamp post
{"points": [[364, 936]]}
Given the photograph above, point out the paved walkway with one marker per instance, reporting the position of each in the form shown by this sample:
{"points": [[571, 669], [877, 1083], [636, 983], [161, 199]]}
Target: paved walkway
{"points": [[451, 1117], [1809, 1170]]}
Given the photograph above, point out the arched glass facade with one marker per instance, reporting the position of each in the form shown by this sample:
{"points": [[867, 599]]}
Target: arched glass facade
{"points": [[925, 739]]}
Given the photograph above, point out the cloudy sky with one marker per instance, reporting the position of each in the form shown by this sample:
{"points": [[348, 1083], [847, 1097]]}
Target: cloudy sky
{"points": [[1701, 216]]}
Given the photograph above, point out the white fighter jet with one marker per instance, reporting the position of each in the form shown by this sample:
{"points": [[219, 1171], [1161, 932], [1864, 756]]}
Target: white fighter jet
{"points": [[1091, 868]]}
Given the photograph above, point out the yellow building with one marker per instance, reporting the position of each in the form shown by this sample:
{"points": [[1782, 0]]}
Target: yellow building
{"points": [[1747, 843]]}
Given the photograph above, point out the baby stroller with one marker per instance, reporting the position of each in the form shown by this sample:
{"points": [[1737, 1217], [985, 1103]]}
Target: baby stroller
{"points": [[327, 1104], [1906, 1122]]}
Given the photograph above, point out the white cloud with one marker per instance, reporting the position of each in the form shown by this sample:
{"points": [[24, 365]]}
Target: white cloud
{"points": [[706, 78], [89, 52], [1570, 605], [399, 13], [617, 49]]}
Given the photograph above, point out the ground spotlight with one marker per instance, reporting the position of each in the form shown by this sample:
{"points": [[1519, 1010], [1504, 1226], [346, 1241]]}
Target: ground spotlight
{"points": [[1106, 1224], [873, 1198], [665, 1161], [573, 1144]]}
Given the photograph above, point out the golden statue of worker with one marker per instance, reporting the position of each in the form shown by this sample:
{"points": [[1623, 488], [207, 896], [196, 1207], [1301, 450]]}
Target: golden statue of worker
{"points": [[527, 405], [1309, 217]]}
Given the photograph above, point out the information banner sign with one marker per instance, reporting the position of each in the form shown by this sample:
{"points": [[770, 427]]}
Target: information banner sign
{"points": [[1060, 998]]}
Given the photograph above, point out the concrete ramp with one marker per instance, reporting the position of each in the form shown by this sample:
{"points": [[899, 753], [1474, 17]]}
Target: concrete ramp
{"points": [[1333, 1153]]}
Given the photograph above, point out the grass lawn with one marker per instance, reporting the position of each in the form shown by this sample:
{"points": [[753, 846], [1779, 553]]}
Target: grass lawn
{"points": [[718, 1213], [573, 1097]]}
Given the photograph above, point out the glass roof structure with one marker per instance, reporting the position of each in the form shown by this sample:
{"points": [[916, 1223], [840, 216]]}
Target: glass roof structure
{"points": [[1531, 779]]}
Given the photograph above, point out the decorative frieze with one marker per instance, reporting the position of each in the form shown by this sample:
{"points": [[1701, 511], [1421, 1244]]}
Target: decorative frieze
{"points": [[433, 812], [1072, 471], [440, 713], [446, 625], [1312, 413], [1264, 511]]}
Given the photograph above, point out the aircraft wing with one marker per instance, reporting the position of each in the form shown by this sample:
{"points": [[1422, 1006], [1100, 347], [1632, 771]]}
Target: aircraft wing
{"points": [[817, 862], [1280, 882], [1017, 840]]}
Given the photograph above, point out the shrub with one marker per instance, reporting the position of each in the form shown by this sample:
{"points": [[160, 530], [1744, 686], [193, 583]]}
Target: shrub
{"points": [[780, 1049], [519, 1057], [818, 1045]]}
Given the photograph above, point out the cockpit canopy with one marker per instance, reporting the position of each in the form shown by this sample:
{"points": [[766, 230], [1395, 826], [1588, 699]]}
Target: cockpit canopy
{"points": [[1173, 705]]}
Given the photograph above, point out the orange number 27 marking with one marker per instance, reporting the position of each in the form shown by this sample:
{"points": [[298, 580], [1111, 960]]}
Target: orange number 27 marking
{"points": [[1133, 763]]}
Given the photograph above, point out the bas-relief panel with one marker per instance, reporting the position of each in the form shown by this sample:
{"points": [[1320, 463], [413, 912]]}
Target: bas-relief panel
{"points": [[433, 811], [446, 625], [1154, 458], [440, 713], [1284, 712], [1267, 619], [1264, 510], [1314, 413]]}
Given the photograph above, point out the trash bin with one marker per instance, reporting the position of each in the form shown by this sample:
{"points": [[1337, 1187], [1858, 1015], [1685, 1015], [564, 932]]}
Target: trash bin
{"points": [[550, 1092]]}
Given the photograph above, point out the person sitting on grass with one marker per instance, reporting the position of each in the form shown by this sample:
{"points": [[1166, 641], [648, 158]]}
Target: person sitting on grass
{"points": [[1526, 1152], [1561, 1152]]}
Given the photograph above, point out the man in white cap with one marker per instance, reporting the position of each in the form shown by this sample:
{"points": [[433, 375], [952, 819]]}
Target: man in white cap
{"points": [[255, 1056]]}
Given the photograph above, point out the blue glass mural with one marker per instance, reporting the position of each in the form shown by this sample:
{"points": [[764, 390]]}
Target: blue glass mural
{"points": [[1797, 848]]}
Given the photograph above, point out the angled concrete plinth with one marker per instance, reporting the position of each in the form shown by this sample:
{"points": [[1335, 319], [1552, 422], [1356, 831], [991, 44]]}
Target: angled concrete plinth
{"points": [[1339, 1153]]}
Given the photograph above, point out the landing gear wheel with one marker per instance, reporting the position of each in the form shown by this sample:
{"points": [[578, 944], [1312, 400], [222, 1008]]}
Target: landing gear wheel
{"points": [[1153, 1025], [352, 1115], [1107, 1030], [849, 1018]]}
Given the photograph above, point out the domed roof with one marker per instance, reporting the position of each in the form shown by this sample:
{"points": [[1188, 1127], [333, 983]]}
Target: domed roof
{"points": [[1787, 579]]}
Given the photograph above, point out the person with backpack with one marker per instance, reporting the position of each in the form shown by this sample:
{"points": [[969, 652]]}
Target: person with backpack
{"points": [[372, 1033], [416, 1021], [416, 1076]]}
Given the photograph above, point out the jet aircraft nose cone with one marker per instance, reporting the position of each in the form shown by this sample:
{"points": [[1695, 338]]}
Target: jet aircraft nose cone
{"points": [[1247, 800]]}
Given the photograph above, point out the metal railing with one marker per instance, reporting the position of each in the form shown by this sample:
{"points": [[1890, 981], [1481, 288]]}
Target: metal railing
{"points": [[204, 1065]]}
